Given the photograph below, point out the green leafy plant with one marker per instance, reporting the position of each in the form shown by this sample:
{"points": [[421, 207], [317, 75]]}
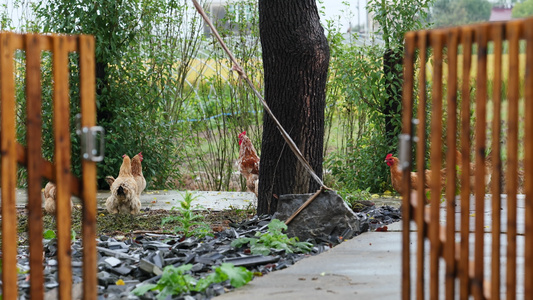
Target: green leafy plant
{"points": [[189, 223], [50, 234], [176, 280], [273, 239], [354, 198]]}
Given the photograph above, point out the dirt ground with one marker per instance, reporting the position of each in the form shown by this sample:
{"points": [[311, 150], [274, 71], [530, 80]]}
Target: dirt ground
{"points": [[147, 221]]}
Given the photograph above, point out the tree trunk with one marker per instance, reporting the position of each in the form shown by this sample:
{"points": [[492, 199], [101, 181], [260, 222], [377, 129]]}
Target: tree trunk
{"points": [[295, 60]]}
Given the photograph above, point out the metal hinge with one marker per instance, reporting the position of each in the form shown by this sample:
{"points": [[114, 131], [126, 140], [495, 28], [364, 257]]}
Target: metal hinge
{"points": [[405, 141], [90, 142]]}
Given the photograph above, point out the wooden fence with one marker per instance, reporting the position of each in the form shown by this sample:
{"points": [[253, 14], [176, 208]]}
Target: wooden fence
{"points": [[470, 89], [13, 153]]}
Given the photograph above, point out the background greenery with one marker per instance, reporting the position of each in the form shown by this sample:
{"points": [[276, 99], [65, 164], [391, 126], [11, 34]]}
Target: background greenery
{"points": [[166, 88]]}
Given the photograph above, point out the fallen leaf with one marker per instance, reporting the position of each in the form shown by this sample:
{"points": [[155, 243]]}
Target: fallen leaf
{"points": [[382, 229]]}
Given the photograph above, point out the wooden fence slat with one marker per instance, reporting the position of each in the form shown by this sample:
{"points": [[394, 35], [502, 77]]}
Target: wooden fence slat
{"points": [[480, 137], [407, 99], [528, 160], [62, 164], [420, 162], [437, 40], [33, 141], [48, 170], [497, 32], [449, 251], [513, 32], [88, 109], [9, 168], [467, 36]]}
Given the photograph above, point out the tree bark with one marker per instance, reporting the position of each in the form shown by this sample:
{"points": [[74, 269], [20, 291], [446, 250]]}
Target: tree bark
{"points": [[295, 61]]}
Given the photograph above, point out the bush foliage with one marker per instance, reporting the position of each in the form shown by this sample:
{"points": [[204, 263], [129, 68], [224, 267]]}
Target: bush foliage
{"points": [[165, 88]]}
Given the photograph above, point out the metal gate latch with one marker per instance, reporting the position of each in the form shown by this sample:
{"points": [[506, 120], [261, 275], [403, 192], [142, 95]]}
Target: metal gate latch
{"points": [[89, 141]]}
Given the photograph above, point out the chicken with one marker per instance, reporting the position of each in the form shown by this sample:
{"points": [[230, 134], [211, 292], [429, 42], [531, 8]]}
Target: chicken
{"points": [[472, 170], [248, 162], [124, 197], [50, 198], [396, 175], [137, 171]]}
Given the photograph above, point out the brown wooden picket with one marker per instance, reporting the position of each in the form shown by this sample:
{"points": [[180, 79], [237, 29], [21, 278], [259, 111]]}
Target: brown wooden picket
{"points": [[13, 153], [458, 94]]}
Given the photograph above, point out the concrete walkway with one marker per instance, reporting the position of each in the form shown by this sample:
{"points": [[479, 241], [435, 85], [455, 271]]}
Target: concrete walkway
{"points": [[365, 267], [369, 265], [164, 199]]}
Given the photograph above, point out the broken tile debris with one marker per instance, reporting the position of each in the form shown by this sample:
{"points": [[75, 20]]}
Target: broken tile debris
{"points": [[141, 259]]}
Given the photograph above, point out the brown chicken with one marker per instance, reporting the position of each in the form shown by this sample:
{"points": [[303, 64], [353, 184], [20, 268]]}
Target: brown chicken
{"points": [[396, 175], [137, 171], [472, 170], [124, 197], [248, 163], [50, 198]]}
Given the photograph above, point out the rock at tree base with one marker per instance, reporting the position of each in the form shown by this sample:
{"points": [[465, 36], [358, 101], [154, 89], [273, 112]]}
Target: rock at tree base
{"points": [[326, 217]]}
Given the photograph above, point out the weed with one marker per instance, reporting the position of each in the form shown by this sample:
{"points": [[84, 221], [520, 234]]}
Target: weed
{"points": [[176, 281], [273, 238], [189, 223]]}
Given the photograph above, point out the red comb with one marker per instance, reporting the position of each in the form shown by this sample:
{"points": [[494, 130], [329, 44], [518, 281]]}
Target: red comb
{"points": [[141, 155], [388, 156]]}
